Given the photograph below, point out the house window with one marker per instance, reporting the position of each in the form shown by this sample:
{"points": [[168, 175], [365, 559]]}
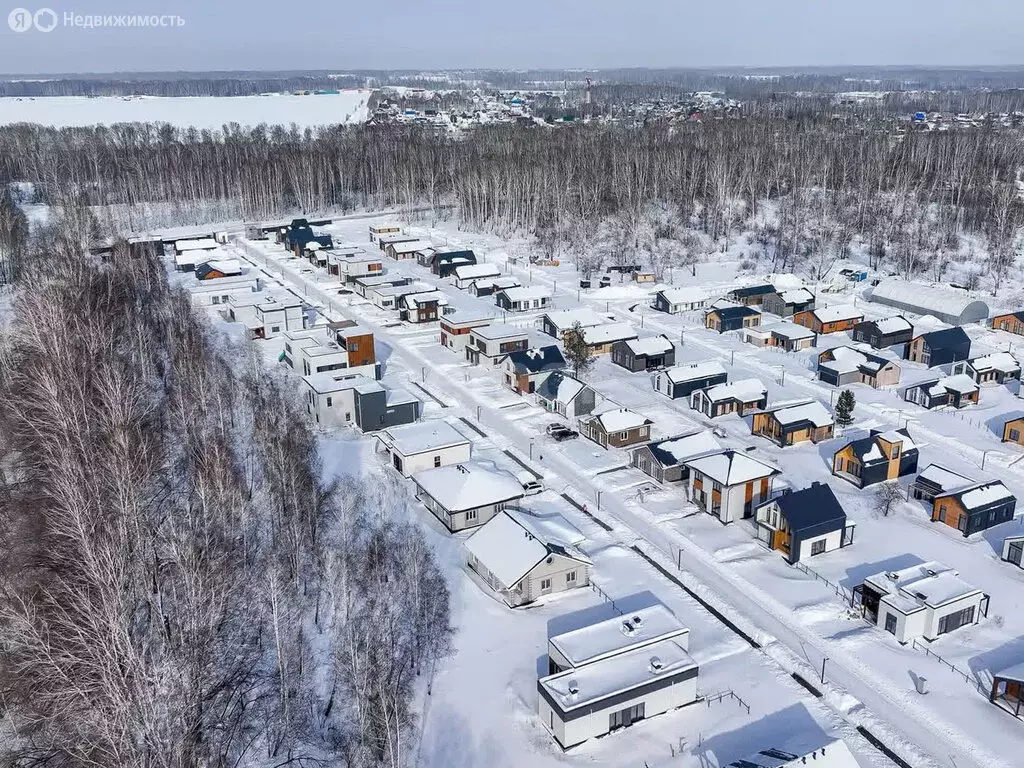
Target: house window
{"points": [[942, 513], [437, 461], [275, 329], [1015, 434], [623, 435], [216, 299], [895, 452], [330, 401], [353, 346], [348, 416], [570, 577], [839, 464], [545, 585], [956, 620], [817, 547], [890, 623], [470, 515]]}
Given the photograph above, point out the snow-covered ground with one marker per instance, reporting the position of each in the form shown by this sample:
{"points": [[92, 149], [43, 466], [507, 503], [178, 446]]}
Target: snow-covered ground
{"points": [[488, 689], [203, 112]]}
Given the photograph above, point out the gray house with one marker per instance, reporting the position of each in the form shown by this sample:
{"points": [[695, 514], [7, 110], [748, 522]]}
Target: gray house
{"points": [[664, 460], [644, 354], [788, 303]]}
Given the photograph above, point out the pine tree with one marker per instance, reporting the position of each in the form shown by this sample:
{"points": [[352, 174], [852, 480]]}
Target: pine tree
{"points": [[844, 408], [577, 351]]}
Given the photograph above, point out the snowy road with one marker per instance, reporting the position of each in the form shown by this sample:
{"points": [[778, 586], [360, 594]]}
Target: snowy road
{"points": [[890, 714]]}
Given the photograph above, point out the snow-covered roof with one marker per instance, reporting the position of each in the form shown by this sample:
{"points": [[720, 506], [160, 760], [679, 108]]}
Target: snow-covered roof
{"points": [[560, 388], [837, 313], [514, 542], [497, 283], [278, 303], [796, 296], [789, 331], [649, 345], [997, 361], [467, 316], [527, 293], [744, 390], [927, 299], [327, 382], [731, 468], [219, 284], [945, 479], [602, 334], [675, 450], [422, 437], [415, 299], [618, 634], [409, 246], [1016, 673], [186, 258], [894, 324], [619, 420], [686, 295], [849, 359], [497, 331], [984, 494], [584, 687], [814, 412], [961, 383], [929, 584], [897, 436], [834, 754], [470, 485], [471, 271], [565, 318], [702, 370], [201, 244]]}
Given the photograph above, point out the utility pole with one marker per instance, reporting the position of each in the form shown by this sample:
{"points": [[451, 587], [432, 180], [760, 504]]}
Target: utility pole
{"points": [[823, 670]]}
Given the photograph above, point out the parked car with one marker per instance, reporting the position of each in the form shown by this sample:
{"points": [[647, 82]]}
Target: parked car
{"points": [[531, 485], [554, 427], [560, 435]]}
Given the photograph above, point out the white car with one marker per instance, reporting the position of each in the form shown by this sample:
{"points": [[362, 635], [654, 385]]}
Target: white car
{"points": [[531, 485]]}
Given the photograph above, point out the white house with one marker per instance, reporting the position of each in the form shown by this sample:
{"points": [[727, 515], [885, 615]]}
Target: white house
{"points": [[277, 314], [623, 670], [557, 323], [491, 344], [488, 286], [467, 274], [523, 556], [925, 600], [466, 495], [676, 300], [729, 485], [413, 448], [338, 399], [523, 298], [220, 290]]}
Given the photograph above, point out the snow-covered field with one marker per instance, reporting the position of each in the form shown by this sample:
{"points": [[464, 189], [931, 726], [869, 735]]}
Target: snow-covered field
{"points": [[481, 710], [209, 112]]}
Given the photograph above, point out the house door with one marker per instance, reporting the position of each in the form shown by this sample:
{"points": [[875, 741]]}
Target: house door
{"points": [[626, 717]]}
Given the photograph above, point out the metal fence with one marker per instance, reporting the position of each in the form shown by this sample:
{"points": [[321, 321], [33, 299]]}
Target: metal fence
{"points": [[715, 698], [955, 669], [840, 591]]}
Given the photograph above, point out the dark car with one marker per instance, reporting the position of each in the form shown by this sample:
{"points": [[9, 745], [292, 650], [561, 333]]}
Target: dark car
{"points": [[560, 435]]}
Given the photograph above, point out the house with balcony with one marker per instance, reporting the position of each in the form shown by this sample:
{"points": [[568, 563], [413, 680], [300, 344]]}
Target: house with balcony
{"points": [[422, 307], [804, 523]]}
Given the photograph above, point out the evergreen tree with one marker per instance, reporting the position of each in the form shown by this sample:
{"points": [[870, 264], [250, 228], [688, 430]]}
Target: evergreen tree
{"points": [[577, 351], [844, 408]]}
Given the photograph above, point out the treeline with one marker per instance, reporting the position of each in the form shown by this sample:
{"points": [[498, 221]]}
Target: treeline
{"points": [[164, 86], [178, 585]]}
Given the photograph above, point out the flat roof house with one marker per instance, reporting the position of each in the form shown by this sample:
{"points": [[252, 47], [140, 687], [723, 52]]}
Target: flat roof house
{"points": [[378, 230], [786, 336], [739, 397], [956, 391], [277, 314], [523, 556], [882, 334], [829, 319], [455, 327], [879, 457], [644, 354], [339, 399], [926, 600], [753, 294], [804, 523], [402, 250], [466, 495], [634, 667], [557, 323], [466, 274], [566, 396], [413, 448], [526, 369], [939, 347], [364, 285], [947, 304], [491, 344], [724, 319], [729, 484], [841, 366], [976, 507], [1011, 322], [676, 300], [396, 237], [523, 298], [684, 380], [794, 423], [996, 368], [787, 303], [665, 460], [616, 428]]}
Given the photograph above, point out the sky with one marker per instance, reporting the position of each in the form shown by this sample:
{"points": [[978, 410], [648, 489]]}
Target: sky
{"points": [[515, 34]]}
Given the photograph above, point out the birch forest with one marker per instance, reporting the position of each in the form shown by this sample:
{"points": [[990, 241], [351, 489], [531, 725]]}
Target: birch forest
{"points": [[179, 586]]}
